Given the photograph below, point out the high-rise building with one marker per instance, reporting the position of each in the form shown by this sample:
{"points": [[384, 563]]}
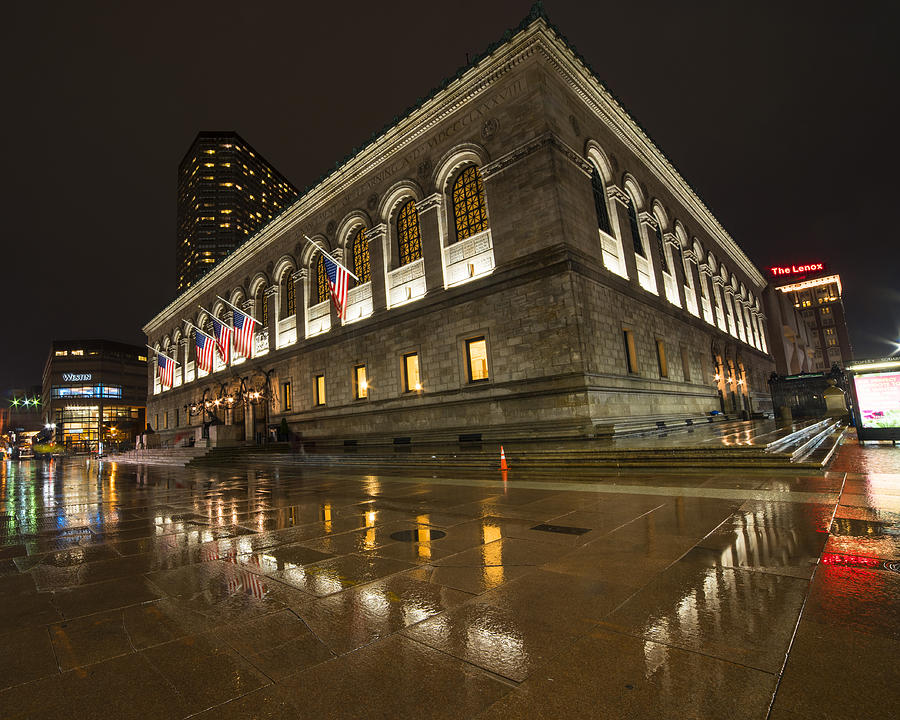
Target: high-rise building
{"points": [[816, 294], [226, 192]]}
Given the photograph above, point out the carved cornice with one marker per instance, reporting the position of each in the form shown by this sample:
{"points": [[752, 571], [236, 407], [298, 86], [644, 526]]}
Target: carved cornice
{"points": [[431, 202], [298, 275], [614, 192], [376, 232], [271, 290], [671, 238], [547, 139], [648, 219]]}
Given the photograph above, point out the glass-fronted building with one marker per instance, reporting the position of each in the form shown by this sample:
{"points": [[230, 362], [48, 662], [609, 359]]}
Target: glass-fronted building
{"points": [[95, 393]]}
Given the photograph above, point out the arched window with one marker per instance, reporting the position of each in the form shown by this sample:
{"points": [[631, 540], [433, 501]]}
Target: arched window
{"points": [[469, 211], [408, 239], [321, 281], [261, 305], [288, 300], [662, 249], [361, 267], [635, 230], [600, 202]]}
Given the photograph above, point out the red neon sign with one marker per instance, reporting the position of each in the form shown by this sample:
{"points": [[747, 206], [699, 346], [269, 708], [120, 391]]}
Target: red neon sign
{"points": [[797, 269]]}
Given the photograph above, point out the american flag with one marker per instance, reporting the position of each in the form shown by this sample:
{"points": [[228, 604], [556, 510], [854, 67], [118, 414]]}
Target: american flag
{"points": [[205, 351], [223, 339], [243, 332], [165, 368], [339, 280]]}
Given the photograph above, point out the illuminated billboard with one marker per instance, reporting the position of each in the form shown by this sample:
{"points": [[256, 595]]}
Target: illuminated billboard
{"points": [[878, 397]]}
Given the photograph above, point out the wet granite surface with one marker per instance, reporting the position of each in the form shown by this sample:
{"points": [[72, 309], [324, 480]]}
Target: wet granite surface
{"points": [[280, 592]]}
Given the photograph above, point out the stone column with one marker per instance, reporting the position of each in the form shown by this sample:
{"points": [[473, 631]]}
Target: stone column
{"points": [[302, 298], [299, 306], [647, 224], [619, 216], [677, 266], [272, 294], [184, 354], [432, 243], [377, 237]]}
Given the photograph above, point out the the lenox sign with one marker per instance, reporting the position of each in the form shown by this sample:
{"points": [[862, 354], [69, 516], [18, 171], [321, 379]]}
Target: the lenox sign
{"points": [[76, 377], [798, 269]]}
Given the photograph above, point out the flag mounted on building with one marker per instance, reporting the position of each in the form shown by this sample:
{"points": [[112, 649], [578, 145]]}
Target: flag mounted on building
{"points": [[223, 333], [243, 333], [205, 349], [165, 369], [339, 281]]}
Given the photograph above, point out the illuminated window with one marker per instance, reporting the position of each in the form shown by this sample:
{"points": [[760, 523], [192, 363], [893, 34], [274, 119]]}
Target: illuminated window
{"points": [[476, 359], [361, 267], [166, 420], [600, 202], [630, 352], [360, 383], [635, 230], [288, 301], [286, 397], [61, 353], [261, 304], [661, 358], [408, 239], [411, 381], [142, 358], [78, 352], [321, 281], [319, 389], [469, 211]]}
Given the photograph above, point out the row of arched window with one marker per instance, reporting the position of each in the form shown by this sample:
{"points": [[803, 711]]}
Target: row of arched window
{"points": [[468, 210], [739, 314]]}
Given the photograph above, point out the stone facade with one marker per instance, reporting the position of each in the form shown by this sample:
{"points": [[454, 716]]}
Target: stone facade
{"points": [[551, 294]]}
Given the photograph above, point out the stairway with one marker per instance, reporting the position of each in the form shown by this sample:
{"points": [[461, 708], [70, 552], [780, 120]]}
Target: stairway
{"points": [[735, 444], [177, 456]]}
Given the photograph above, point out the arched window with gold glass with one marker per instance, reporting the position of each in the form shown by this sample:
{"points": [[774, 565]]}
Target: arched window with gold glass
{"points": [[261, 305], [321, 294], [361, 267], [409, 241], [469, 210], [288, 298]]}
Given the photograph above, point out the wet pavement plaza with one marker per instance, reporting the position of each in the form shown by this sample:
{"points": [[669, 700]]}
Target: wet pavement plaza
{"points": [[282, 592]]}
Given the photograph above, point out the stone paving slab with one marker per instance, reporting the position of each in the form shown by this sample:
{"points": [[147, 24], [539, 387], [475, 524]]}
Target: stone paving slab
{"points": [[290, 592]]}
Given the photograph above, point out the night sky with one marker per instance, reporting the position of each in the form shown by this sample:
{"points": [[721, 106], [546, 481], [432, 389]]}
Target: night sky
{"points": [[781, 116]]}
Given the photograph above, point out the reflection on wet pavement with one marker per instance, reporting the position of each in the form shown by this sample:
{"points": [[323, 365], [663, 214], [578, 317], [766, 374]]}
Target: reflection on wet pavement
{"points": [[292, 591]]}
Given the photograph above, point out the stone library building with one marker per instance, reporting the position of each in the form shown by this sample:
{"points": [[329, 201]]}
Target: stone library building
{"points": [[529, 264]]}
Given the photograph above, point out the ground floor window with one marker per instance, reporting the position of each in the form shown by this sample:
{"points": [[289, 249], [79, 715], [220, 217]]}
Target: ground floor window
{"points": [[685, 365], [360, 383], [661, 358], [411, 381], [476, 359], [319, 389], [286, 396], [630, 352]]}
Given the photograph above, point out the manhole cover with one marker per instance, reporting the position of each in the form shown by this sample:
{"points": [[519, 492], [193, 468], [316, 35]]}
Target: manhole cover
{"points": [[419, 535], [564, 529]]}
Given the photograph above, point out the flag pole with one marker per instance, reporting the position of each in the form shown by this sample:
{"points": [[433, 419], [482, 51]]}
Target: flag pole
{"points": [[160, 352], [188, 322], [322, 250], [242, 312], [214, 317]]}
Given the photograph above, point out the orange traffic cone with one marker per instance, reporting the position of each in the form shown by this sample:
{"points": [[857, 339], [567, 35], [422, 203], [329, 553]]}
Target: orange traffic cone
{"points": [[503, 466]]}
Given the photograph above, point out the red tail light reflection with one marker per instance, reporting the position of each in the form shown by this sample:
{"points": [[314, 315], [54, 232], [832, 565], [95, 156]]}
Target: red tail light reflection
{"points": [[850, 560]]}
